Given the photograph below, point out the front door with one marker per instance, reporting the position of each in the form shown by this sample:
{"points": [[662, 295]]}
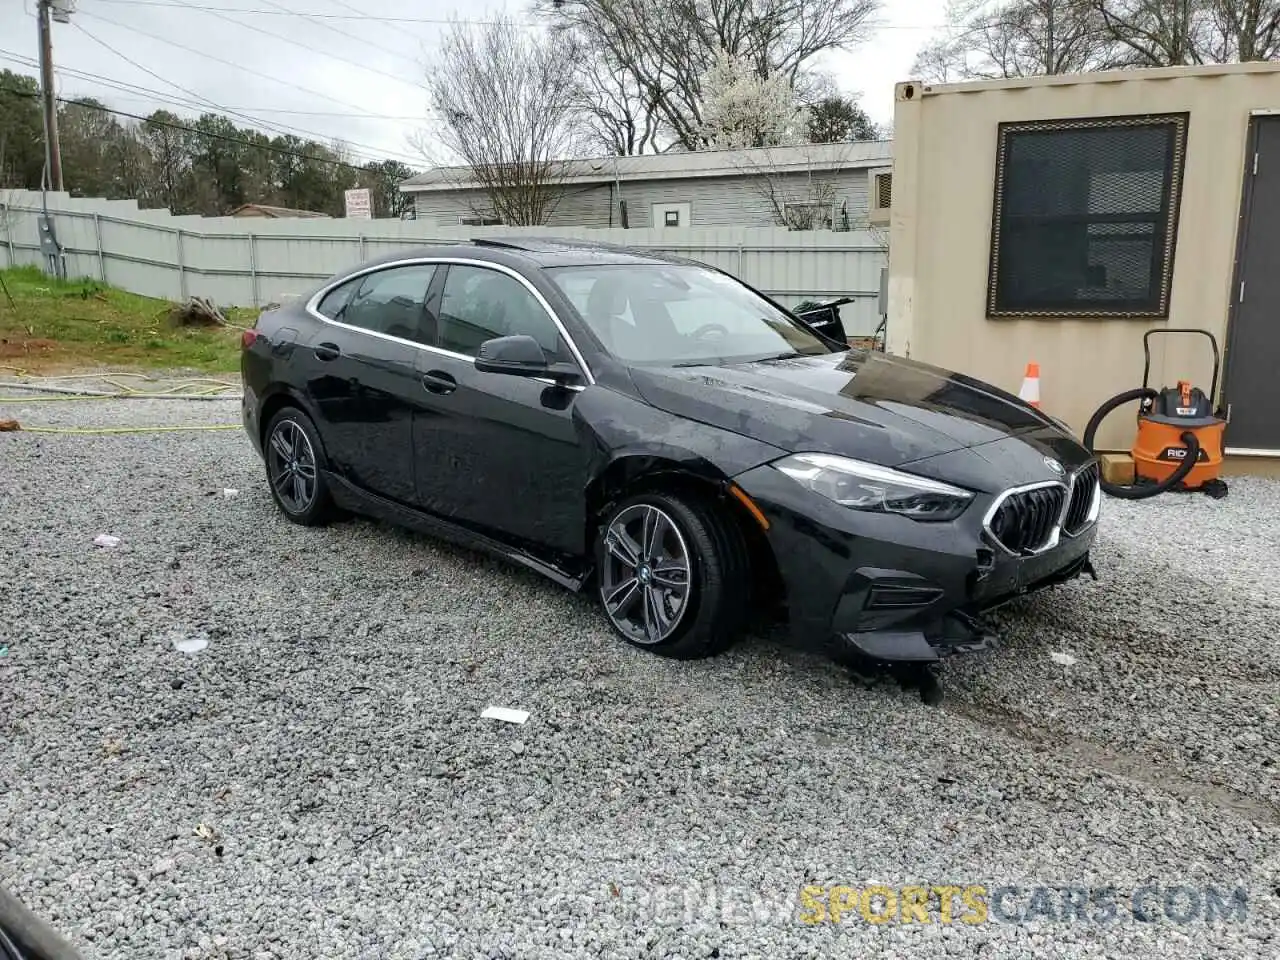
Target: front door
{"points": [[496, 452], [1253, 352]]}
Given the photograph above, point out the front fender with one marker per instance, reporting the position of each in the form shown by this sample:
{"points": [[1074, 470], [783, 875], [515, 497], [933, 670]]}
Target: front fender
{"points": [[622, 428]]}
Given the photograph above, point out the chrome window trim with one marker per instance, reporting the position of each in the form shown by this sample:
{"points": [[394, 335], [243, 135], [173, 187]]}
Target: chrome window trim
{"points": [[314, 302], [1095, 504], [1055, 535]]}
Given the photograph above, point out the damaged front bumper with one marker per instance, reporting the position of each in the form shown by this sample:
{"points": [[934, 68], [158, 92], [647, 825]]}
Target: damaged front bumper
{"points": [[889, 588], [961, 630]]}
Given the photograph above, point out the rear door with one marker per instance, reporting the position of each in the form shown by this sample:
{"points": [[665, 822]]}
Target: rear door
{"points": [[362, 376], [495, 452]]}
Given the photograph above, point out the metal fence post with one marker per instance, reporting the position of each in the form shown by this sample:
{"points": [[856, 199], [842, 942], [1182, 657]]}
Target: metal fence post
{"points": [[182, 269], [253, 267], [740, 256], [97, 237], [361, 258], [6, 211]]}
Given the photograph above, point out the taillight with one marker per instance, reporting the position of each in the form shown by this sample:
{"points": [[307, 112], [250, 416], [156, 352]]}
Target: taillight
{"points": [[248, 339]]}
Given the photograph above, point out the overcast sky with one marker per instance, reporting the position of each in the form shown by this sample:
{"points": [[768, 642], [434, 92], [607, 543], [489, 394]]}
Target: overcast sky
{"points": [[344, 75]]}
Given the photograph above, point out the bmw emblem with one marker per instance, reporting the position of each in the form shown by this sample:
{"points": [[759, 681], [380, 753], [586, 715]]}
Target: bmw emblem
{"points": [[1054, 465]]}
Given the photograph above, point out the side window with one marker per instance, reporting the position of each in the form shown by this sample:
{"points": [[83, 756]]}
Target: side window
{"points": [[389, 301], [479, 304], [335, 301]]}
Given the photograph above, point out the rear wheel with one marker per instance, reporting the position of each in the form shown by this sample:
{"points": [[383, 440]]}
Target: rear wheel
{"points": [[672, 574], [295, 464]]}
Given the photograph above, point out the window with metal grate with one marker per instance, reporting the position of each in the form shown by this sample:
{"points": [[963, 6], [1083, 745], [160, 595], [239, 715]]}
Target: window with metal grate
{"points": [[1085, 216]]}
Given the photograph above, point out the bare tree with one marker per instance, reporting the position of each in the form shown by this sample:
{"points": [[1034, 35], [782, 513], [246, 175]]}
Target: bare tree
{"points": [[620, 117], [507, 100], [1252, 26], [1161, 33], [797, 201], [1017, 38], [664, 48], [1031, 37]]}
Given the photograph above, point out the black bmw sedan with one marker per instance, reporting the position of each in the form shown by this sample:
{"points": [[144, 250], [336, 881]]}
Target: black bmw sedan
{"points": [[657, 432]]}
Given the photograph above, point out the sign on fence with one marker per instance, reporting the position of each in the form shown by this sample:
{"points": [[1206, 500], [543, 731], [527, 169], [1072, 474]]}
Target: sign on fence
{"points": [[359, 204]]}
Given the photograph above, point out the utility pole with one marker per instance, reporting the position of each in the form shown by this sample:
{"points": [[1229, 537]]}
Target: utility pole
{"points": [[1051, 65], [52, 149]]}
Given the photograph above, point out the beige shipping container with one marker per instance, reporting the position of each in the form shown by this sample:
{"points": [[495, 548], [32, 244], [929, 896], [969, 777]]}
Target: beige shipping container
{"points": [[944, 190]]}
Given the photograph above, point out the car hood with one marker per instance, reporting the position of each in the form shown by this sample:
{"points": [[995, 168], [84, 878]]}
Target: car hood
{"points": [[862, 404]]}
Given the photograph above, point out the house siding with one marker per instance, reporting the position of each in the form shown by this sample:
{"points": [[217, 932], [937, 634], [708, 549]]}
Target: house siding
{"points": [[739, 201]]}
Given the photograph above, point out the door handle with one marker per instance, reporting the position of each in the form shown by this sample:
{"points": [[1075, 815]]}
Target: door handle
{"points": [[327, 351], [437, 381]]}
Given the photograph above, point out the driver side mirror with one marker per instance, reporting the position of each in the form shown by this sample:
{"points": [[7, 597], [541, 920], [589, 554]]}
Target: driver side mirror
{"points": [[518, 355], [522, 356]]}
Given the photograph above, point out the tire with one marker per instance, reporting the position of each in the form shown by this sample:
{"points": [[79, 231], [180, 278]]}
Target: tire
{"points": [[711, 615], [292, 429]]}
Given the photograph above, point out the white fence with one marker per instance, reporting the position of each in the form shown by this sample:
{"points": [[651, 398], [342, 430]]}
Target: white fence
{"points": [[251, 262]]}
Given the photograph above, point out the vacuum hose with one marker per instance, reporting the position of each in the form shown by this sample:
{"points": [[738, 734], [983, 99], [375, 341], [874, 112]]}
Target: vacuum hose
{"points": [[1141, 491]]}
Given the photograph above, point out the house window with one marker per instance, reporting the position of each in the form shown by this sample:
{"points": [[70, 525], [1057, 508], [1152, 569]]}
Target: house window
{"points": [[1086, 216], [478, 220], [671, 214], [808, 215]]}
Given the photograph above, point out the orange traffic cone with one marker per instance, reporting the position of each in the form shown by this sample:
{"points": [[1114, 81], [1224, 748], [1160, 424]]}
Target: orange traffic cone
{"points": [[1030, 391]]}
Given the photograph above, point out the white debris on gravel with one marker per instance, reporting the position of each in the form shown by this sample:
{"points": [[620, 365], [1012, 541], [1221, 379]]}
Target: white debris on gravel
{"points": [[355, 807], [506, 714], [190, 644], [1062, 658]]}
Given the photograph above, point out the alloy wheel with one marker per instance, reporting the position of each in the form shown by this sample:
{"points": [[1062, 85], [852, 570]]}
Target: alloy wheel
{"points": [[645, 579], [292, 465]]}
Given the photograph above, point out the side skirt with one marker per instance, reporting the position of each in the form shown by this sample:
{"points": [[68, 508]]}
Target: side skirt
{"points": [[350, 497]]}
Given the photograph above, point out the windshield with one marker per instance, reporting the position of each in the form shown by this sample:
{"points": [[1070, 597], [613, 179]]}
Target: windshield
{"points": [[677, 315]]}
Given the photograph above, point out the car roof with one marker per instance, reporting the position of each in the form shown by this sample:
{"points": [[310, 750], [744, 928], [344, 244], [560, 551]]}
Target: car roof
{"points": [[539, 251]]}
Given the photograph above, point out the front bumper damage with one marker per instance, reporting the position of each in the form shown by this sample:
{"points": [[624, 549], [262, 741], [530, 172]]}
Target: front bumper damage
{"points": [[888, 588]]}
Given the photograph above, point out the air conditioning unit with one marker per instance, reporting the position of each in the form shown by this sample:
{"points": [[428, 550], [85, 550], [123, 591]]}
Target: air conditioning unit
{"points": [[880, 200]]}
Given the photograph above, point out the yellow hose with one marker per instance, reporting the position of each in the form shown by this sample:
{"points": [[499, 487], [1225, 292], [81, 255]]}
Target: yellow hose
{"points": [[88, 431], [109, 396]]}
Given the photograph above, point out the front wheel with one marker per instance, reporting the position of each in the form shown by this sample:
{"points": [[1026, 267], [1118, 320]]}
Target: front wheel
{"points": [[672, 574], [295, 468]]}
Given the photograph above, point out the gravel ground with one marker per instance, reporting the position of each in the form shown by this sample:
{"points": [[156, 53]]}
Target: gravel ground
{"points": [[317, 781]]}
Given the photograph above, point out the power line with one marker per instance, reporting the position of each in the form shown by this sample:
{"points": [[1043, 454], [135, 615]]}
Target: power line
{"points": [[364, 150], [266, 148], [296, 113], [359, 13], [344, 34], [310, 49], [379, 18], [282, 12], [235, 66]]}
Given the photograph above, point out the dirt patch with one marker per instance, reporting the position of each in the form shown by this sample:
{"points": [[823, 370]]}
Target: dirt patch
{"points": [[39, 347], [1119, 763]]}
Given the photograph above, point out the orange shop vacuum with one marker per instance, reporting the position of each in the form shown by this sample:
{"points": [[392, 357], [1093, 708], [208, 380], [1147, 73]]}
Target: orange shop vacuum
{"points": [[1179, 442]]}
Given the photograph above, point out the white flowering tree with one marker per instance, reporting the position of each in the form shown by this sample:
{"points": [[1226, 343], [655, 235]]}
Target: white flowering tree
{"points": [[742, 109]]}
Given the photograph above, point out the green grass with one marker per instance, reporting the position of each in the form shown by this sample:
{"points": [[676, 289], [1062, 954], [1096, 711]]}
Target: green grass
{"points": [[83, 325]]}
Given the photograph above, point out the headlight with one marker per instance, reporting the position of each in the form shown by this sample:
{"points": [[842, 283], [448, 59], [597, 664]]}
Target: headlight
{"points": [[867, 486]]}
